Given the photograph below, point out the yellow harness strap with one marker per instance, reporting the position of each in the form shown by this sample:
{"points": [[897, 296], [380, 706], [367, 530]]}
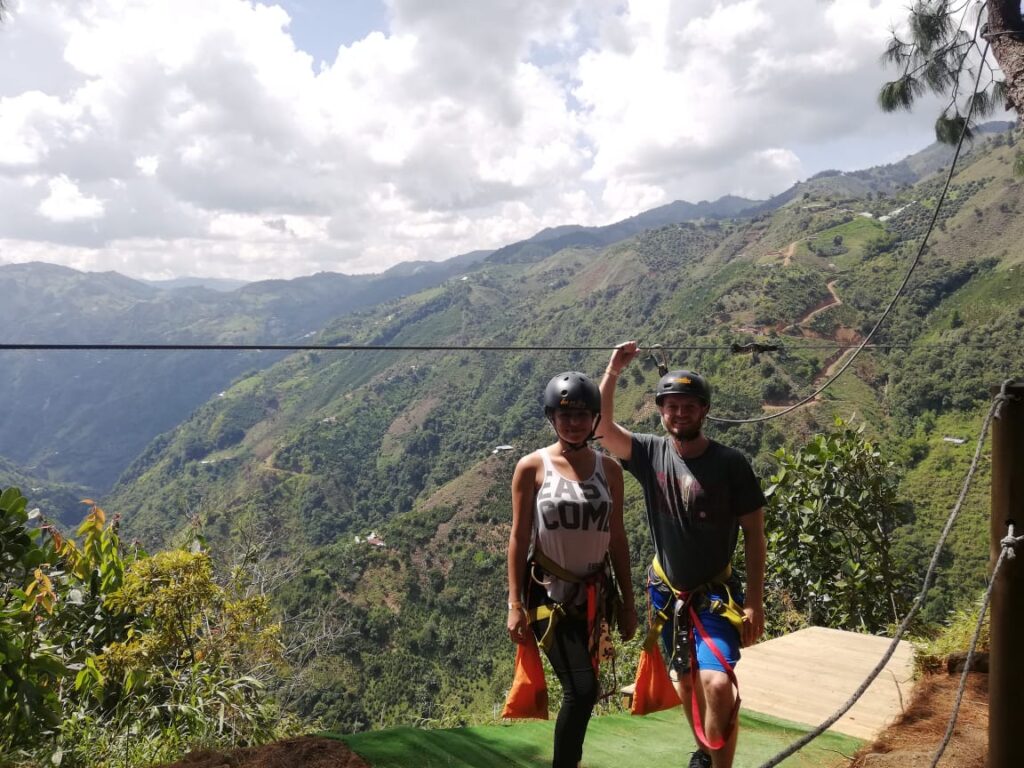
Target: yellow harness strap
{"points": [[728, 608], [555, 611]]}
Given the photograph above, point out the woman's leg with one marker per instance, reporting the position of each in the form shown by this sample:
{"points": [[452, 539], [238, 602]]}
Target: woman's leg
{"points": [[570, 658]]}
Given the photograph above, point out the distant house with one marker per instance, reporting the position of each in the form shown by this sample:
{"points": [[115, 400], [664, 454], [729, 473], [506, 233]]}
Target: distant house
{"points": [[501, 448], [374, 540], [954, 440]]}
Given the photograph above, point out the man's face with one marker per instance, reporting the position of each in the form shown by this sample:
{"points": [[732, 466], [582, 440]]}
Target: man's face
{"points": [[682, 416]]}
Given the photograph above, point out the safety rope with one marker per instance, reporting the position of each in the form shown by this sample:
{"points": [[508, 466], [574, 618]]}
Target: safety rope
{"points": [[929, 577], [1007, 551]]}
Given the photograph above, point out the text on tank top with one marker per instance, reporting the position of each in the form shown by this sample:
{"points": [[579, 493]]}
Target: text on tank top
{"points": [[572, 523]]}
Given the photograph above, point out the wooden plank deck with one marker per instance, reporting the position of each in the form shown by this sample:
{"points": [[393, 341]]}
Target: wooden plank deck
{"points": [[807, 675]]}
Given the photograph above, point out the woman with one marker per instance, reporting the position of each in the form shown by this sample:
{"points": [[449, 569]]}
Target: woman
{"points": [[566, 524]]}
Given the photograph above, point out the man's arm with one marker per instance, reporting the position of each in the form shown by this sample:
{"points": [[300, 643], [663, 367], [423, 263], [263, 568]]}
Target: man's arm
{"points": [[615, 439], [755, 550]]}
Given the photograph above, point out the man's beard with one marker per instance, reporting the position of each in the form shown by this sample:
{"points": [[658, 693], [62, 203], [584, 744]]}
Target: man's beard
{"points": [[686, 433]]}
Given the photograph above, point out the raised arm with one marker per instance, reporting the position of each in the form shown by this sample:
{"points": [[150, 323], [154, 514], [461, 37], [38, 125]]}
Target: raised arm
{"points": [[617, 440]]}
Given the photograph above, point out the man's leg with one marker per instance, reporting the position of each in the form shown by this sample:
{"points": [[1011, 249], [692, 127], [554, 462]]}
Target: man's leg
{"points": [[716, 693], [681, 682], [719, 699], [715, 697]]}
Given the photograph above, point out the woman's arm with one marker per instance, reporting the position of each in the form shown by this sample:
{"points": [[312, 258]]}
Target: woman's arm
{"points": [[524, 489], [618, 548]]}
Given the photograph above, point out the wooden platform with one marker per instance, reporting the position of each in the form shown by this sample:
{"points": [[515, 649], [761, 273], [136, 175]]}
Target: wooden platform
{"points": [[807, 675]]}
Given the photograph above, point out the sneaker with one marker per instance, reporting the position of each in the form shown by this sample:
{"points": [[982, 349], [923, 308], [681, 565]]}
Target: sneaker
{"points": [[699, 759]]}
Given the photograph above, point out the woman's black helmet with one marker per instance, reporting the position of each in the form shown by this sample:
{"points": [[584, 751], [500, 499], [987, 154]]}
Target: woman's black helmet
{"points": [[683, 383], [572, 389]]}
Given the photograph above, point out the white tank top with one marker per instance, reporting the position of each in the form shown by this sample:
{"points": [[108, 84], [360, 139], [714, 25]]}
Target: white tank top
{"points": [[572, 524]]}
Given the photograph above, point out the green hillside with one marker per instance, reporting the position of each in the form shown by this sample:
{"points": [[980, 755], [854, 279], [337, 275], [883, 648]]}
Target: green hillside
{"points": [[82, 416]]}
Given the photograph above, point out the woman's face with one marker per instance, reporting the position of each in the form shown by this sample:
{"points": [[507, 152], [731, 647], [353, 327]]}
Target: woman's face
{"points": [[573, 425]]}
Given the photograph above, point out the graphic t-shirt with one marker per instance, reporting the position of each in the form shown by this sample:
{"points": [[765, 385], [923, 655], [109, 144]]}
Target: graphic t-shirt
{"points": [[572, 525], [693, 505]]}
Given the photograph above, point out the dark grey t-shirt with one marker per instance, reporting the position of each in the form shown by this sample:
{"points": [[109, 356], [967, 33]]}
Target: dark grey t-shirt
{"points": [[693, 506]]}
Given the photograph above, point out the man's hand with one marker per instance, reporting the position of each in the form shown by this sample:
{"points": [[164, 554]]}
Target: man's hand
{"points": [[753, 624], [623, 356]]}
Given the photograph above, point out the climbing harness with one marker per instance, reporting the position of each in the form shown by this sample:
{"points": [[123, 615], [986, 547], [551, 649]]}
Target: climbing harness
{"points": [[684, 614], [598, 611]]}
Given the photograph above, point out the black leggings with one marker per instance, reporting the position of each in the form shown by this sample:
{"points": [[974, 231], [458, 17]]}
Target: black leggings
{"points": [[570, 658]]}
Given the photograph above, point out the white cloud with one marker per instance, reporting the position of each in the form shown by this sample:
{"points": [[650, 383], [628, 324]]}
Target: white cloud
{"points": [[67, 203], [196, 136], [147, 165]]}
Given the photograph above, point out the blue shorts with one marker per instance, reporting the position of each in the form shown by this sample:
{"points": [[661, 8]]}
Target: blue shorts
{"points": [[722, 633]]}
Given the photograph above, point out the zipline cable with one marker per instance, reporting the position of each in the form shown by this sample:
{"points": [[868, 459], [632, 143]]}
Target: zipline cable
{"points": [[899, 291], [736, 348], [929, 577]]}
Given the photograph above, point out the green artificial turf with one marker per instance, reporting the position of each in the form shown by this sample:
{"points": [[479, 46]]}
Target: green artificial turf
{"points": [[613, 741]]}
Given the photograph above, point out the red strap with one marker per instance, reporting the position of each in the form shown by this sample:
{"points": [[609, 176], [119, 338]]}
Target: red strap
{"points": [[593, 628], [698, 725]]}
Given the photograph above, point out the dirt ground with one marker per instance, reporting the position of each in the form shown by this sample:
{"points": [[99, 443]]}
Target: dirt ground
{"points": [[303, 752], [909, 743]]}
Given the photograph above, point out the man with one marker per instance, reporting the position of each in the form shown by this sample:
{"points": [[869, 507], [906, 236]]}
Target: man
{"points": [[698, 493]]}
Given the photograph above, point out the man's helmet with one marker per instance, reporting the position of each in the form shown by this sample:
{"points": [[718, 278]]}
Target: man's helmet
{"points": [[683, 383], [572, 389]]}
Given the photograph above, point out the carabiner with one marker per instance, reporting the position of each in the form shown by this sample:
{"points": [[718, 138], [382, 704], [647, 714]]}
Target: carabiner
{"points": [[659, 357]]}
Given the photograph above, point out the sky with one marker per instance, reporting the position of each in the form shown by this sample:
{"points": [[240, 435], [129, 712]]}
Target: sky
{"points": [[249, 140]]}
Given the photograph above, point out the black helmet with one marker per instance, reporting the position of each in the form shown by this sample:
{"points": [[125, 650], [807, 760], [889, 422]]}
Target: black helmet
{"points": [[572, 389], [683, 383]]}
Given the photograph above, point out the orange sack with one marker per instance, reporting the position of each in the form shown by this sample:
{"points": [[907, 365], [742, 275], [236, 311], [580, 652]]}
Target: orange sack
{"points": [[653, 691], [528, 696]]}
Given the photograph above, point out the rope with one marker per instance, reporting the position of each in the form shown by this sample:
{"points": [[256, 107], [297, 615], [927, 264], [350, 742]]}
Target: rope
{"points": [[1007, 552], [899, 291], [929, 577]]}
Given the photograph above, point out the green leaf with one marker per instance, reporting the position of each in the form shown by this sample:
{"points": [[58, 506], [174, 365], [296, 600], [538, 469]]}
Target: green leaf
{"points": [[949, 129], [900, 94]]}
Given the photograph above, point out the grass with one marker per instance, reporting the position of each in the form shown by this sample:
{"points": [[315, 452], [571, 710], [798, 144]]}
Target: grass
{"points": [[613, 741], [856, 234]]}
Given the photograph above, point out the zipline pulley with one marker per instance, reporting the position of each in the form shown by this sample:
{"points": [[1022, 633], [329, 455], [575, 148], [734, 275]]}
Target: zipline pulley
{"points": [[658, 356]]}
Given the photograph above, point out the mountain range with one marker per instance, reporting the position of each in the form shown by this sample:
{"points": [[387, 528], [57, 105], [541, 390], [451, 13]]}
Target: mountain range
{"points": [[296, 460]]}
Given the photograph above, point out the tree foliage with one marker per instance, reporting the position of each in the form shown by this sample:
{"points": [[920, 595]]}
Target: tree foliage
{"points": [[945, 49], [834, 508], [113, 657]]}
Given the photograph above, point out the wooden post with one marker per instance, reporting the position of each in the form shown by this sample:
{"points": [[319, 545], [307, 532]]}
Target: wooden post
{"points": [[1006, 661]]}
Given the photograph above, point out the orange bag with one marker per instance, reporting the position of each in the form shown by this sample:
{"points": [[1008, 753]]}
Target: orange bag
{"points": [[653, 691], [528, 696]]}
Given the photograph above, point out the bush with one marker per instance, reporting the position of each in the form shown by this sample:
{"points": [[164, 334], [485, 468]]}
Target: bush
{"points": [[834, 509], [118, 658]]}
